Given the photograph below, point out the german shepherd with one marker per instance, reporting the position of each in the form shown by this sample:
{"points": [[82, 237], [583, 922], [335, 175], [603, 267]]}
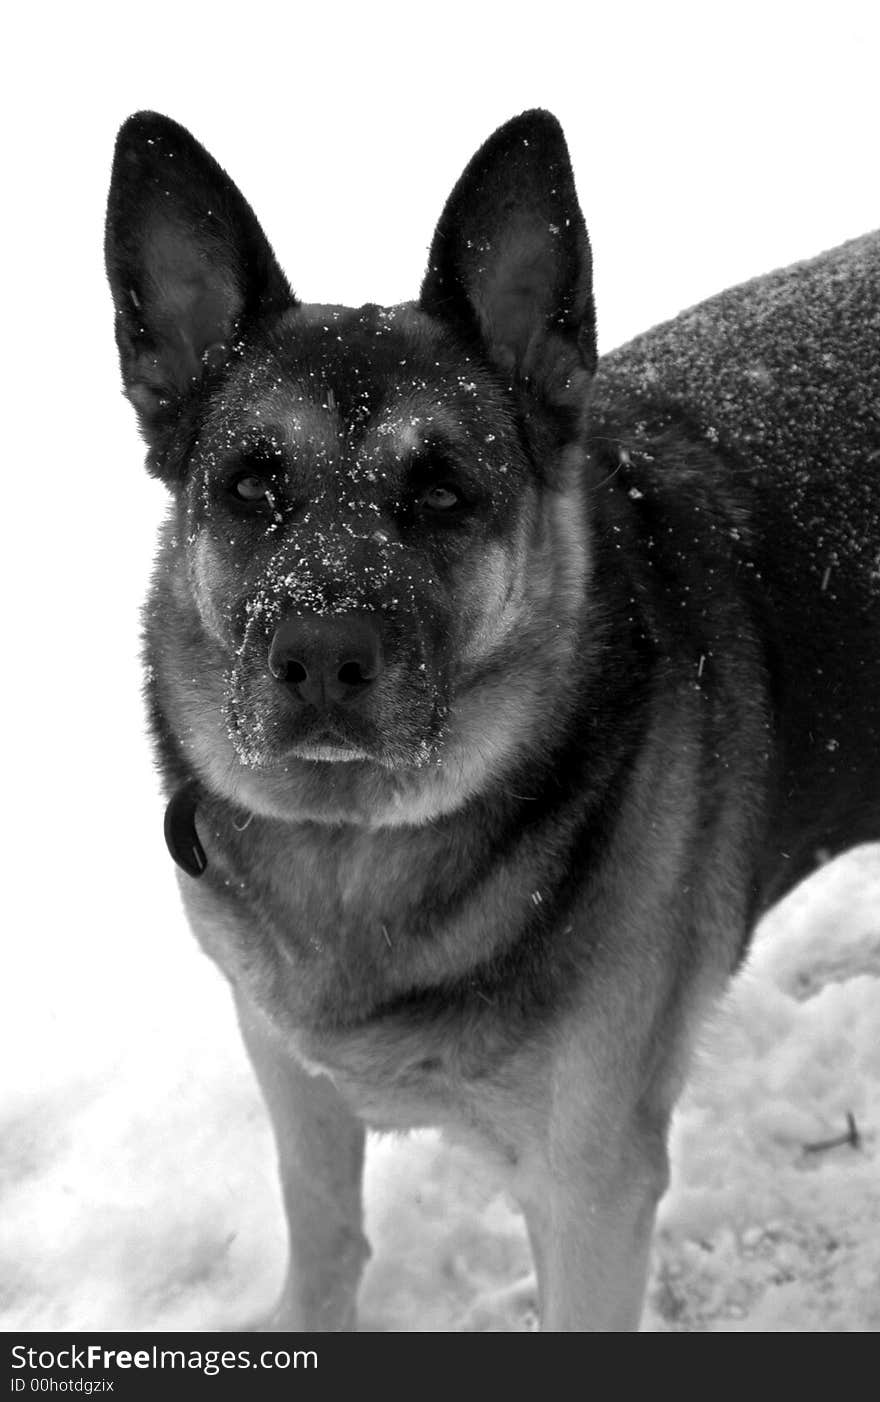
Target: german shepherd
{"points": [[496, 695]]}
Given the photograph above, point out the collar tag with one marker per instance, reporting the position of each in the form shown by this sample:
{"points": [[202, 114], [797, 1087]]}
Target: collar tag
{"points": [[181, 837]]}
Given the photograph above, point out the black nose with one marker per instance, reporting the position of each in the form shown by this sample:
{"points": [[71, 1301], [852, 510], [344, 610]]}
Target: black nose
{"points": [[325, 660]]}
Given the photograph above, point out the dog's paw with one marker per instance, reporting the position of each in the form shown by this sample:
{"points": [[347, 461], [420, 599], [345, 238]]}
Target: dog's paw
{"points": [[511, 1310], [284, 1319]]}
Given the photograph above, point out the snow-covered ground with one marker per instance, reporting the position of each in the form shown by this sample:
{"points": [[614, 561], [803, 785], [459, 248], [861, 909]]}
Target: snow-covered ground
{"points": [[137, 1183]]}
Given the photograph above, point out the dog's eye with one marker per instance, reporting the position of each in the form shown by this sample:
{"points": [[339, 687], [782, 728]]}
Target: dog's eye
{"points": [[441, 497], [250, 488]]}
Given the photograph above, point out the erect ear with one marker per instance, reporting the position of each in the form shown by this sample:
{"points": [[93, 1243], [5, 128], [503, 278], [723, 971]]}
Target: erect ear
{"points": [[189, 266], [510, 261]]}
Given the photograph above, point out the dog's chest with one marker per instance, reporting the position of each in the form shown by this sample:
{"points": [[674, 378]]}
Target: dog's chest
{"points": [[351, 949], [337, 1001]]}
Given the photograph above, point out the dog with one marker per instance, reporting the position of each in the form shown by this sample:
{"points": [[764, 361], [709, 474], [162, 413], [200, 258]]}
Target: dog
{"points": [[496, 692]]}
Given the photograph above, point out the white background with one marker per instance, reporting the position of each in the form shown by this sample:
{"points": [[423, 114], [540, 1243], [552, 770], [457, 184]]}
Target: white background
{"points": [[710, 142]]}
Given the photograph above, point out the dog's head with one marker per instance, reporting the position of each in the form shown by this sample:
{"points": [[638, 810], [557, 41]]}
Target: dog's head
{"points": [[366, 605]]}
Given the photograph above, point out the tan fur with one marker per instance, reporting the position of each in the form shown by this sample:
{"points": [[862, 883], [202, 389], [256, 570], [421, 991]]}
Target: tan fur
{"points": [[566, 1120]]}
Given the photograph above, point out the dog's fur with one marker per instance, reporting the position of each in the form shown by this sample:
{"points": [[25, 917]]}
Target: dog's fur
{"points": [[614, 688]]}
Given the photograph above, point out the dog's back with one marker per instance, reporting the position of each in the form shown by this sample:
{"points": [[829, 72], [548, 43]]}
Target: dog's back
{"points": [[781, 378]]}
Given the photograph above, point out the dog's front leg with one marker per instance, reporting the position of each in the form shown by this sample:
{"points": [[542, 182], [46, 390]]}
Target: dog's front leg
{"points": [[320, 1155], [590, 1197], [591, 1239]]}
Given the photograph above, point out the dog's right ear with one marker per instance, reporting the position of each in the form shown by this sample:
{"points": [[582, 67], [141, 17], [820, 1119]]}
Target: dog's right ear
{"points": [[188, 264]]}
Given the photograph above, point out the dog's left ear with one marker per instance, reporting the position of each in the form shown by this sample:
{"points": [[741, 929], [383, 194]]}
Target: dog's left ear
{"points": [[510, 261]]}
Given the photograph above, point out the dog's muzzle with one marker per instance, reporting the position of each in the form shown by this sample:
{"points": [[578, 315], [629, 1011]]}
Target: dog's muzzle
{"points": [[330, 660]]}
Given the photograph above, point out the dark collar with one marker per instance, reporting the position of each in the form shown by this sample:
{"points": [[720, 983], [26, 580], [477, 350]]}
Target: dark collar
{"points": [[180, 830]]}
